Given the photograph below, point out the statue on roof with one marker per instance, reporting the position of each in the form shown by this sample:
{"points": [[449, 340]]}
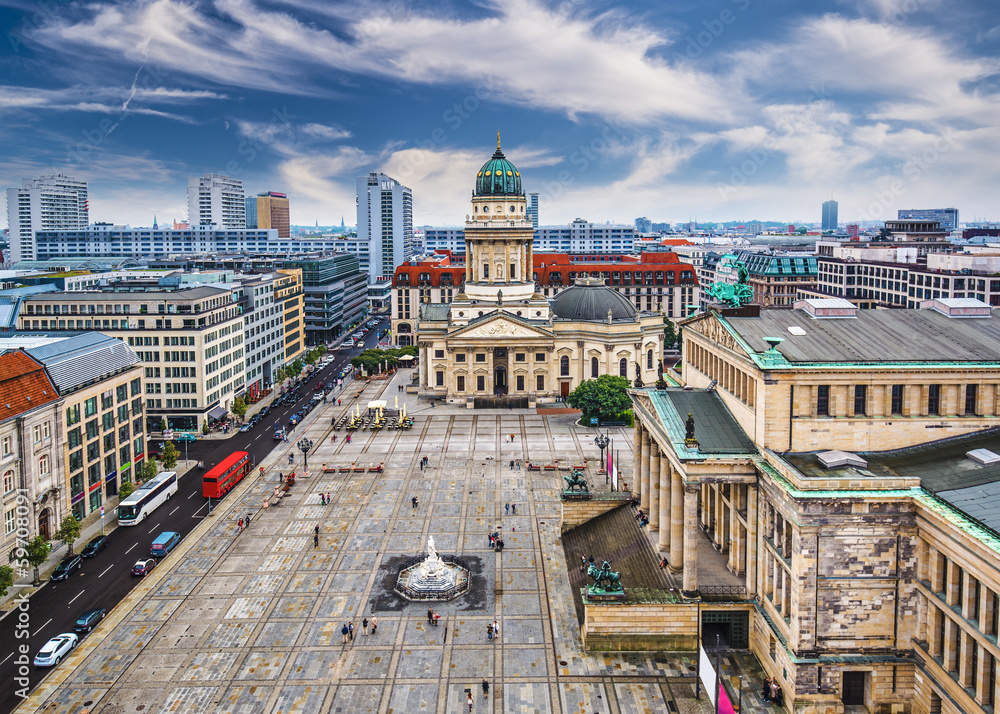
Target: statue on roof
{"points": [[690, 440], [734, 295], [638, 376], [499, 297]]}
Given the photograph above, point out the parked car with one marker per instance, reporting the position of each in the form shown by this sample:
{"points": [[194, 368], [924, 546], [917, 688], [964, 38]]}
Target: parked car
{"points": [[186, 437], [88, 620], [246, 427], [55, 649], [279, 434], [95, 546], [67, 566], [142, 567]]}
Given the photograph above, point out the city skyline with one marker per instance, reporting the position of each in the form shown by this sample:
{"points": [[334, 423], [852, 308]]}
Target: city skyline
{"points": [[756, 112]]}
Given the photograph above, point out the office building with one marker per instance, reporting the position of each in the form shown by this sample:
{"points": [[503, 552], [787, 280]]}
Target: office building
{"points": [[216, 200], [947, 217], [385, 224], [835, 472], [643, 225], [335, 293], [288, 293], [190, 341], [251, 203], [272, 212], [582, 236], [54, 202], [829, 216], [532, 210]]}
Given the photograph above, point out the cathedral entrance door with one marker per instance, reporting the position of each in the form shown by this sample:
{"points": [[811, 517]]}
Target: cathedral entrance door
{"points": [[500, 380], [564, 389]]}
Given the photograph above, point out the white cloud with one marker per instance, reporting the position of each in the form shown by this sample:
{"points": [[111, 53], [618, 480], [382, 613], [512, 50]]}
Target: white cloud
{"points": [[330, 133]]}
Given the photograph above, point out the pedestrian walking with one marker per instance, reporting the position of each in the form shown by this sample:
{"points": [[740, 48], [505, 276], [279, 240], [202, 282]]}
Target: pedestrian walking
{"points": [[338, 402], [421, 465], [414, 501], [486, 688], [430, 616], [343, 634], [322, 499], [328, 499], [468, 700], [316, 541], [350, 631], [364, 625], [513, 508], [512, 464], [241, 524], [489, 631], [506, 508], [512, 438], [437, 617], [374, 624], [316, 529], [348, 438], [248, 520], [496, 629], [500, 545]]}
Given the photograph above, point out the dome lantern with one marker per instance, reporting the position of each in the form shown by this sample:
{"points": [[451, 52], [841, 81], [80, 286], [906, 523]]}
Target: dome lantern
{"points": [[498, 176]]}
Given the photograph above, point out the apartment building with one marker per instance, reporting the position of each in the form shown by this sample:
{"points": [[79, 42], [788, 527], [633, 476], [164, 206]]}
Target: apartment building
{"points": [[190, 341], [288, 293], [216, 200], [55, 202]]}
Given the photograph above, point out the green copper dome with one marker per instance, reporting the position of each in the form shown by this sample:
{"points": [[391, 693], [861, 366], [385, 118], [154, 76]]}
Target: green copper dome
{"points": [[498, 177]]}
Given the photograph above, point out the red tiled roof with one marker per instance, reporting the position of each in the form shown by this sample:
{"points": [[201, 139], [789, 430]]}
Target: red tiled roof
{"points": [[24, 384]]}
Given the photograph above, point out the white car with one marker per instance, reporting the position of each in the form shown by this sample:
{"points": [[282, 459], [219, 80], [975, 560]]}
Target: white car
{"points": [[55, 649]]}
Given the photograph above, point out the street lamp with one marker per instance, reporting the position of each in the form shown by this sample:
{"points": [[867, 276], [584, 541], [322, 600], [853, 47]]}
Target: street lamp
{"points": [[602, 442], [304, 446]]}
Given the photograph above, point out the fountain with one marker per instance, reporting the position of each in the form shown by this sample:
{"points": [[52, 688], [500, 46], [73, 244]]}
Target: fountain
{"points": [[432, 578]]}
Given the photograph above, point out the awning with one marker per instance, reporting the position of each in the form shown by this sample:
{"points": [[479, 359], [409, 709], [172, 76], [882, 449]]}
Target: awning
{"points": [[376, 404], [406, 358], [216, 412]]}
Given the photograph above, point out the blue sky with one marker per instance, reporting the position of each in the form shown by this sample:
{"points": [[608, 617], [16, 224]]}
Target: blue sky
{"points": [[707, 109]]}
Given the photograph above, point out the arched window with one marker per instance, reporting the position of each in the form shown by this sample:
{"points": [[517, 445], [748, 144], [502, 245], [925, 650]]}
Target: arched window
{"points": [[8, 481], [43, 465], [649, 359], [594, 367], [564, 366], [623, 367]]}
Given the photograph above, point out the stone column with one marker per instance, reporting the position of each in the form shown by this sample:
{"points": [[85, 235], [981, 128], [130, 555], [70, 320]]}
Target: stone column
{"points": [[751, 574], [637, 484], [735, 531], [654, 487], [690, 585], [468, 260], [676, 523], [664, 491], [644, 500], [719, 527]]}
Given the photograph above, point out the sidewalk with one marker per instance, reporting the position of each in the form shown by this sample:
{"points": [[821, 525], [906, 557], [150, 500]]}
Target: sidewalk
{"points": [[22, 587]]}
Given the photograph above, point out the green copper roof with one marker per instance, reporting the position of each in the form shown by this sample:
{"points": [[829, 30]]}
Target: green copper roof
{"points": [[498, 177]]}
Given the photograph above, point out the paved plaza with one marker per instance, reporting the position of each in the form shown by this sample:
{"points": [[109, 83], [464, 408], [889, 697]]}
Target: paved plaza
{"points": [[251, 621]]}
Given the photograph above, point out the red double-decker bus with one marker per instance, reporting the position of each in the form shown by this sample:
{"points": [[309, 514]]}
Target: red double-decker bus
{"points": [[225, 475]]}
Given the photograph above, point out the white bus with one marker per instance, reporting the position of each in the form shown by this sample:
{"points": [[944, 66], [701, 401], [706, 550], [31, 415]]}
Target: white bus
{"points": [[147, 498]]}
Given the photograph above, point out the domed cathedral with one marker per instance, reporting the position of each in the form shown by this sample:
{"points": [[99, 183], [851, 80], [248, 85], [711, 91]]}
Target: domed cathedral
{"points": [[500, 342]]}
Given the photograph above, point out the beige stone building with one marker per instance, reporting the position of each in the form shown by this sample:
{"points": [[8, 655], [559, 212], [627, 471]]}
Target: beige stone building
{"points": [[500, 339], [288, 292], [844, 466]]}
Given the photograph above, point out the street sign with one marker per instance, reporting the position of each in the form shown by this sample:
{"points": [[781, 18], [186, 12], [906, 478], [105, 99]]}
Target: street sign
{"points": [[593, 421]]}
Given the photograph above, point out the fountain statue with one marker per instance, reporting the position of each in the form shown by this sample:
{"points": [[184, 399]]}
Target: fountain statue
{"points": [[433, 578]]}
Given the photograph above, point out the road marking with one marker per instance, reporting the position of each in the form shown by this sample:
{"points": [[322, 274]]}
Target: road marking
{"points": [[77, 595], [193, 494], [106, 570], [258, 436], [130, 549], [173, 511], [35, 633], [7, 658], [154, 528]]}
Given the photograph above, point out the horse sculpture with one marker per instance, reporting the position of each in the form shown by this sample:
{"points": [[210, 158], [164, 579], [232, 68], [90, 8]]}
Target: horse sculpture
{"points": [[605, 578], [734, 295], [576, 481]]}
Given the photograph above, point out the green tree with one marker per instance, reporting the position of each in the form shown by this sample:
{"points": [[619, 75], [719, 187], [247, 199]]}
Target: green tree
{"points": [[6, 579], [321, 349], [239, 407], [280, 375], [669, 332], [163, 424], [204, 428], [169, 456], [312, 357], [604, 397], [36, 552], [148, 470], [295, 368], [69, 531], [125, 490]]}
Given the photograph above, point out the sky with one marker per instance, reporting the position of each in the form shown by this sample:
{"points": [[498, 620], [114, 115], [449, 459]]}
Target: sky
{"points": [[708, 110]]}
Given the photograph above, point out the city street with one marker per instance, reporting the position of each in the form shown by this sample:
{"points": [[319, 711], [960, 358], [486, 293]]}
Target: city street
{"points": [[105, 579]]}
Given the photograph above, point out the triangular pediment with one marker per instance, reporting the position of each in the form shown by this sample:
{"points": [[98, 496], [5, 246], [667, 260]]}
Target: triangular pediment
{"points": [[714, 329], [500, 326]]}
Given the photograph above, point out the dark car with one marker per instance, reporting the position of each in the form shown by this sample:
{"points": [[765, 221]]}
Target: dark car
{"points": [[143, 566], [89, 619], [67, 566], [95, 546]]}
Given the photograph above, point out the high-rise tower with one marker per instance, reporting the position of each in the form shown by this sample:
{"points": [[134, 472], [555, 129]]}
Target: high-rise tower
{"points": [[47, 203], [829, 215]]}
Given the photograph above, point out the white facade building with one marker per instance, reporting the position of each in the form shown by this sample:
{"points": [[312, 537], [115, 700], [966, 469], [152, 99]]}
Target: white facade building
{"points": [[216, 200], [385, 224], [46, 203]]}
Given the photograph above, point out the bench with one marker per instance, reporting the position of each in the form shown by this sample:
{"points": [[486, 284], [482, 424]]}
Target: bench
{"points": [[533, 467]]}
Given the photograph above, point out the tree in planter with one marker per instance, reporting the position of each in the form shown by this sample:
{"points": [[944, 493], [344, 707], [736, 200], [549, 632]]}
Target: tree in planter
{"points": [[163, 424], [312, 357], [239, 407], [125, 490], [147, 471], [204, 428], [604, 397], [6, 579], [36, 552], [169, 456], [295, 368], [69, 531]]}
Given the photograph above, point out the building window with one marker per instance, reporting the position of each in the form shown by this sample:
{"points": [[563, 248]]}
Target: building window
{"points": [[6, 446], [438, 354], [72, 415], [623, 367], [540, 383], [486, 271], [460, 357], [10, 521], [519, 380], [564, 366], [595, 367], [539, 356], [480, 357], [933, 399], [90, 407], [860, 399], [480, 383], [8, 481], [44, 468], [460, 382], [970, 399], [896, 405], [649, 359], [519, 356], [823, 400], [439, 378]]}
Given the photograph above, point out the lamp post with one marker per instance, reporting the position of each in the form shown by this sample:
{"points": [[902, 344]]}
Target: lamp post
{"points": [[304, 446], [602, 442]]}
